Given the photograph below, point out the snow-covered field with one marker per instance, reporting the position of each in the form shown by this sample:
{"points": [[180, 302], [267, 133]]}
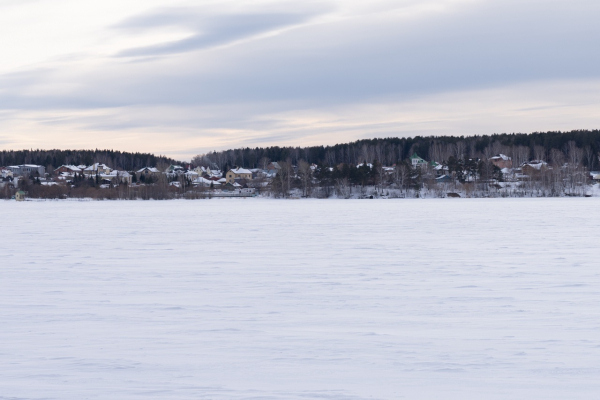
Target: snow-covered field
{"points": [[309, 299]]}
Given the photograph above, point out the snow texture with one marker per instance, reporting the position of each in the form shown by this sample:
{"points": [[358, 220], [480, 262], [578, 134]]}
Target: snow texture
{"points": [[267, 299]]}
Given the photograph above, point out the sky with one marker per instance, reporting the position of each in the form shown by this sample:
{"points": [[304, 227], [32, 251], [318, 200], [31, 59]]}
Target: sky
{"points": [[182, 78]]}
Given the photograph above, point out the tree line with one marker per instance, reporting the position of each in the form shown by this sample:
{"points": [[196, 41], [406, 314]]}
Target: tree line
{"points": [[51, 159], [388, 151]]}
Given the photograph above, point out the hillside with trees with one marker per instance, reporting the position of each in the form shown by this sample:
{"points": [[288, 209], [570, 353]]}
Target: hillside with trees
{"points": [[51, 159], [520, 147]]}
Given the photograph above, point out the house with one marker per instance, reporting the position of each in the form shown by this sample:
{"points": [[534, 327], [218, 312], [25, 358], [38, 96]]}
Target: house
{"points": [[228, 187], [417, 161], [115, 177], [191, 175], [97, 169], [27, 169], [7, 173], [273, 167], [201, 171], [237, 173], [534, 168], [67, 169], [501, 161], [175, 169], [440, 170], [20, 195], [365, 163], [148, 171], [203, 182]]}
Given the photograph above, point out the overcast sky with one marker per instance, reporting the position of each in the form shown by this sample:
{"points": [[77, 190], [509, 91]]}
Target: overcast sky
{"points": [[185, 77]]}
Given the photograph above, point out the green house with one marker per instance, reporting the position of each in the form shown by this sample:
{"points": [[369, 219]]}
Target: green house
{"points": [[417, 161]]}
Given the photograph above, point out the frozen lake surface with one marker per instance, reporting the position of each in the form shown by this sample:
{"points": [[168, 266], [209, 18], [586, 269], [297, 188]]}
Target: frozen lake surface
{"points": [[309, 299]]}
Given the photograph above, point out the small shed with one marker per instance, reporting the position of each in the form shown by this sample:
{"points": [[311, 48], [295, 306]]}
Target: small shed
{"points": [[20, 196]]}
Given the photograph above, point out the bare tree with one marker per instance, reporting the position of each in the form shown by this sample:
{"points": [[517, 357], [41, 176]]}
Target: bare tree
{"points": [[305, 175], [282, 181], [459, 150], [402, 175], [539, 153], [590, 157], [520, 155], [264, 162], [574, 153]]}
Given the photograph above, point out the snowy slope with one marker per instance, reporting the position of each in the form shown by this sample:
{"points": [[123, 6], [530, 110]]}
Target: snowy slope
{"points": [[266, 299]]}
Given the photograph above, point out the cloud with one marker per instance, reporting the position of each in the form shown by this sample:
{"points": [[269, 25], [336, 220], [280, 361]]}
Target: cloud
{"points": [[184, 131], [208, 28]]}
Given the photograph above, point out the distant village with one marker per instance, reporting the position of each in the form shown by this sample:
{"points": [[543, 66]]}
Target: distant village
{"points": [[495, 176]]}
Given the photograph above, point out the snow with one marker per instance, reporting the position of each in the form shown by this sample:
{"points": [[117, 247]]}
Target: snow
{"points": [[241, 171], [205, 182], [304, 299], [149, 169]]}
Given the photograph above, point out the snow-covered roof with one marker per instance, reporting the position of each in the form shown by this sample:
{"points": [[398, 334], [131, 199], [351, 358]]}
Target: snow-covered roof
{"points": [[96, 167], [204, 181], [501, 157], [150, 169], [238, 171], [537, 164], [72, 168], [222, 180], [121, 174], [368, 165]]}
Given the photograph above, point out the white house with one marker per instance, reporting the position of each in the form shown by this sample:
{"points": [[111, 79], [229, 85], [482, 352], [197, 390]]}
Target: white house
{"points": [[97, 168], [27, 169], [417, 161], [117, 177]]}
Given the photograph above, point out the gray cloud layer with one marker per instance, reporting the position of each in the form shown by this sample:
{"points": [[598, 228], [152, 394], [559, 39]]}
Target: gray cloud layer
{"points": [[210, 29]]}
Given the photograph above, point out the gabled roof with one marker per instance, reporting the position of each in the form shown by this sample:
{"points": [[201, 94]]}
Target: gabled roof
{"points": [[537, 164], [415, 156], [150, 169], [121, 174], [72, 168], [241, 171], [96, 167]]}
